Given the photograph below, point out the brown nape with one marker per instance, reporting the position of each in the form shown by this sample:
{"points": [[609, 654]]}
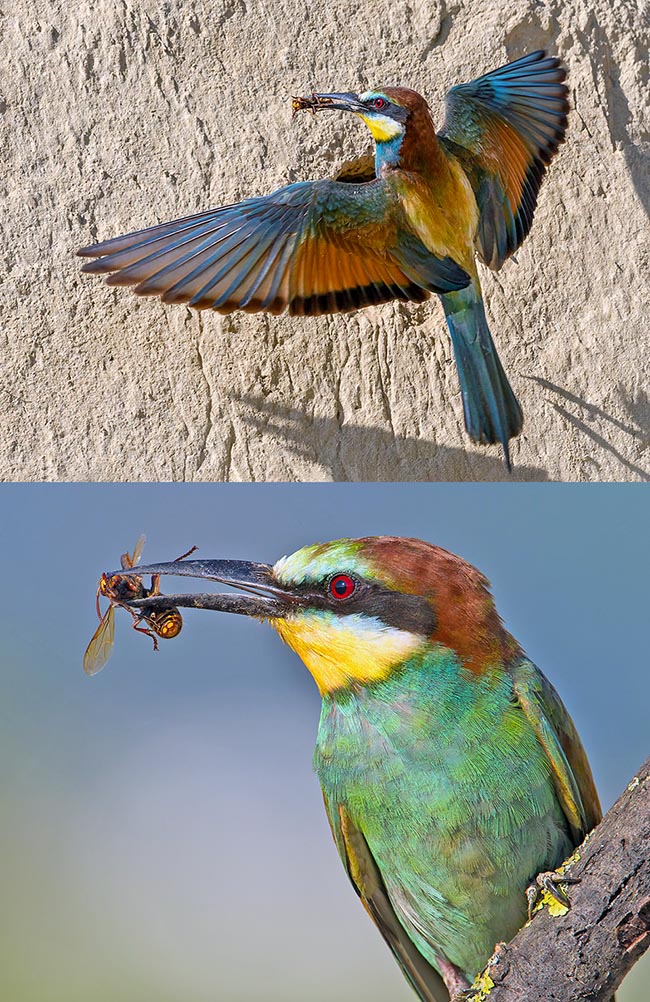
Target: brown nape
{"points": [[466, 618], [420, 148]]}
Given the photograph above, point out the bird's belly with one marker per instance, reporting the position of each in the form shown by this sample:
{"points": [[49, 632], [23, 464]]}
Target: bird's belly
{"points": [[460, 892], [457, 835], [445, 217]]}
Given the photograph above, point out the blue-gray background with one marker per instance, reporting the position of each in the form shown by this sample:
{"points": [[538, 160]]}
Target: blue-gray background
{"points": [[163, 834]]}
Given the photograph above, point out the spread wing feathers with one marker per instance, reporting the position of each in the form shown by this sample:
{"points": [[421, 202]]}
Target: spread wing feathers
{"points": [[314, 247], [574, 783], [369, 885], [505, 127]]}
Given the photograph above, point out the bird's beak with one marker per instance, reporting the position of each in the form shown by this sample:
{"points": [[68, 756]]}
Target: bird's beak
{"points": [[334, 102], [262, 598]]}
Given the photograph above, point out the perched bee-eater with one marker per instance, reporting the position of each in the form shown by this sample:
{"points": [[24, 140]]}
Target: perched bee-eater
{"points": [[408, 224], [452, 773]]}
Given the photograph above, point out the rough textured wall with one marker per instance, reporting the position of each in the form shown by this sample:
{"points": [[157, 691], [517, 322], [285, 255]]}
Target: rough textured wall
{"points": [[116, 116]]}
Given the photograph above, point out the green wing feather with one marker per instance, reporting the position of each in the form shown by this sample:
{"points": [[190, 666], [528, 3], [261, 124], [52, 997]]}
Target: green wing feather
{"points": [[314, 247], [505, 128], [574, 783], [367, 881]]}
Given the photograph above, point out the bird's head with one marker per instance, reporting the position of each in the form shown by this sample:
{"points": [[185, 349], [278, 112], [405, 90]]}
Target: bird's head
{"points": [[388, 113], [382, 111], [355, 610]]}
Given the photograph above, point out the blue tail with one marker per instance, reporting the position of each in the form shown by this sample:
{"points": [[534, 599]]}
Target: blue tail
{"points": [[492, 413]]}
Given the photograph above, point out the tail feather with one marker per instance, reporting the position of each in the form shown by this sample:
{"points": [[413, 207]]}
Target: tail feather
{"points": [[492, 412]]}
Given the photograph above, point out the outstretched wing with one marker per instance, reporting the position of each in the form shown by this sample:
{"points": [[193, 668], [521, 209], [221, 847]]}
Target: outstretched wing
{"points": [[367, 881], [505, 127], [314, 247], [574, 783]]}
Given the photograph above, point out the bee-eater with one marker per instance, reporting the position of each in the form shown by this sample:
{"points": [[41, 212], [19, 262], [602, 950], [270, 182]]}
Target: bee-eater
{"points": [[451, 771], [407, 225]]}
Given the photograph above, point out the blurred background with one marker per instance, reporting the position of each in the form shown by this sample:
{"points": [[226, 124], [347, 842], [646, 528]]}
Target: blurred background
{"points": [[163, 834]]}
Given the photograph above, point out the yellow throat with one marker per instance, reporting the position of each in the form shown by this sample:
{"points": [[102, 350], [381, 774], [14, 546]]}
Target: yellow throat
{"points": [[340, 650], [382, 127]]}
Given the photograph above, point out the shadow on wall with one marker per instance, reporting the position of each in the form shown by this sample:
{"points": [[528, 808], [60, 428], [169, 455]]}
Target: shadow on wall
{"points": [[637, 159], [638, 409], [356, 452], [637, 155]]}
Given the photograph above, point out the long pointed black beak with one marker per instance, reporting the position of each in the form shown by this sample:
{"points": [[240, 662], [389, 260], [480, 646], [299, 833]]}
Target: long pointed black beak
{"points": [[263, 598], [334, 102]]}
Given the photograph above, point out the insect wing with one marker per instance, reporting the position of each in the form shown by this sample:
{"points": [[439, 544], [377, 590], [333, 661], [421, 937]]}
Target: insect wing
{"points": [[100, 647], [129, 560]]}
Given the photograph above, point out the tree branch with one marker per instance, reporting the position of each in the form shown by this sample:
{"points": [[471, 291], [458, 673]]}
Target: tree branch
{"points": [[585, 954]]}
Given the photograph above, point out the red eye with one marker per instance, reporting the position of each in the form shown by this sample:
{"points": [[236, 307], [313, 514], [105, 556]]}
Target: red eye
{"points": [[342, 586], [378, 102]]}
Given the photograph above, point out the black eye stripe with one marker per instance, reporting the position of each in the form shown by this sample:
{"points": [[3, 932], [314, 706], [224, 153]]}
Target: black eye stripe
{"points": [[405, 612], [394, 111], [394, 608]]}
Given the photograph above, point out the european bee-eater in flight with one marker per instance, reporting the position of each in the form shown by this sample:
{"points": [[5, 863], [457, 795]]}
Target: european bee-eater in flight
{"points": [[408, 224], [452, 773]]}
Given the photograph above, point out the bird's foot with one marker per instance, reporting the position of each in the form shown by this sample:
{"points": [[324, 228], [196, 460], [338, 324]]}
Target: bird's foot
{"points": [[456, 983], [550, 882]]}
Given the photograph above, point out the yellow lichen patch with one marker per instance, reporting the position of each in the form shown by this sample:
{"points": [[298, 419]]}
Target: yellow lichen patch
{"points": [[546, 900], [555, 907], [482, 986], [573, 858]]}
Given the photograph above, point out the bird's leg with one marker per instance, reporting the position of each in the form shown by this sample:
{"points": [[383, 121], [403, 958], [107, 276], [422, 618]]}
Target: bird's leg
{"points": [[549, 881], [455, 982]]}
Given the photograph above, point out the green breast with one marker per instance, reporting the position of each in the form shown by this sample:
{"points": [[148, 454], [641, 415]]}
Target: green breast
{"points": [[444, 776]]}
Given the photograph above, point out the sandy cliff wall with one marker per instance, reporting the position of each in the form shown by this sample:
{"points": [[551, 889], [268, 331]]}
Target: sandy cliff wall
{"points": [[116, 116]]}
